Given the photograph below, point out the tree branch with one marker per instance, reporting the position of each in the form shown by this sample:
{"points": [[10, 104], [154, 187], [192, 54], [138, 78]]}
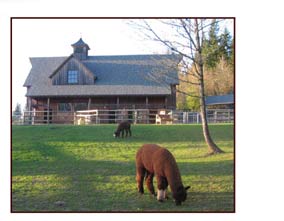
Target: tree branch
{"points": [[166, 42], [187, 94], [188, 32]]}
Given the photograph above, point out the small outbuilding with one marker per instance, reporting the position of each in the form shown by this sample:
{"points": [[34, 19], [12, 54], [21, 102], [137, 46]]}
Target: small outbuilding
{"points": [[220, 102]]}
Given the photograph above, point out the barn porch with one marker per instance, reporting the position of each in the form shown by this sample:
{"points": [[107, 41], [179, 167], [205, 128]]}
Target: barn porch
{"points": [[111, 109], [94, 116]]}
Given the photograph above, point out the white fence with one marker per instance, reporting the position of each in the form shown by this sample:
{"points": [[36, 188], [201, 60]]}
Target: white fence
{"points": [[213, 116], [17, 119], [136, 116]]}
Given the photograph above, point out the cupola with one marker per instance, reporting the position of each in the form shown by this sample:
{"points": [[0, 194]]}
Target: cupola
{"points": [[80, 50]]}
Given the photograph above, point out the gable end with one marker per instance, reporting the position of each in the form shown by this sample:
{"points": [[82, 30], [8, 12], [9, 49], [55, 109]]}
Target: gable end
{"points": [[72, 71]]}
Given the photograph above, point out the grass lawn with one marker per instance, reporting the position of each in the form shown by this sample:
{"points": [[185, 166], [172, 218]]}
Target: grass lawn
{"points": [[83, 168]]}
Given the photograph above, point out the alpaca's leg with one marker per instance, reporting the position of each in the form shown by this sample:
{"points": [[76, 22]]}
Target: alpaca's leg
{"points": [[129, 131], [165, 185], [122, 133], [165, 194], [140, 173], [149, 182], [162, 188], [162, 182], [160, 195]]}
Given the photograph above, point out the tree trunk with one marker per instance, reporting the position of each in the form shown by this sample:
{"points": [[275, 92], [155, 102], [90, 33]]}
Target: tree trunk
{"points": [[213, 148]]}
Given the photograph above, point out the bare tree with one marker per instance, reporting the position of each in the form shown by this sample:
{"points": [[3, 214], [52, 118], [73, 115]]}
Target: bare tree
{"points": [[185, 37]]}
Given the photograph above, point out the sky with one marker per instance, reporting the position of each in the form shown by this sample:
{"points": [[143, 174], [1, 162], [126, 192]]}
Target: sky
{"points": [[53, 37]]}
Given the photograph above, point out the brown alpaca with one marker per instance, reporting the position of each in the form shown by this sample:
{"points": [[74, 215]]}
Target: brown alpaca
{"points": [[123, 126], [151, 160]]}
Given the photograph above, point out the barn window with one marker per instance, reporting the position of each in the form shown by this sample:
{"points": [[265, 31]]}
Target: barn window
{"points": [[80, 106], [64, 107], [72, 77]]}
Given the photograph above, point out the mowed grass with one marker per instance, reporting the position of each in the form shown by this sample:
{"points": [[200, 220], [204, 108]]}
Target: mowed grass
{"points": [[84, 169]]}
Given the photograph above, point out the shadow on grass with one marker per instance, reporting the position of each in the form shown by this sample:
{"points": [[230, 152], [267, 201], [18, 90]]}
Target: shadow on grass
{"points": [[211, 201], [112, 201], [60, 162], [80, 180], [220, 168]]}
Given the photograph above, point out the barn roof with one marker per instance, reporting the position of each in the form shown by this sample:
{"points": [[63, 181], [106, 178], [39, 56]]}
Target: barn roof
{"points": [[115, 75], [220, 99]]}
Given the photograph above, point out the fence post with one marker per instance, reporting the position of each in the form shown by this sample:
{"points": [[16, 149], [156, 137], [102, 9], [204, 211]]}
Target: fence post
{"points": [[135, 117], [48, 107], [197, 117]]}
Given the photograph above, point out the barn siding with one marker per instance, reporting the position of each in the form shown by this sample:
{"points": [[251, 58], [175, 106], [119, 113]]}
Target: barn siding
{"points": [[84, 78]]}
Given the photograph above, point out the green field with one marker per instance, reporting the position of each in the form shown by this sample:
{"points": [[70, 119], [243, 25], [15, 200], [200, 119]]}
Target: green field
{"points": [[83, 168]]}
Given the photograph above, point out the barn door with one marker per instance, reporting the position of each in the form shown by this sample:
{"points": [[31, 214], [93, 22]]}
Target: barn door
{"points": [[47, 114], [111, 117]]}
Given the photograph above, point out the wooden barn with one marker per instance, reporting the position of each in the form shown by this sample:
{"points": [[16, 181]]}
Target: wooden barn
{"points": [[58, 87]]}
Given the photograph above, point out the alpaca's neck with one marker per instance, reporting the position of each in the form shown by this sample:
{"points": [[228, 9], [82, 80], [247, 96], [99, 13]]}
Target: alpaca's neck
{"points": [[174, 178]]}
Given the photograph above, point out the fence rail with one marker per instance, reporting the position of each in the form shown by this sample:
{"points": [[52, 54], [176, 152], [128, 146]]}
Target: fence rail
{"points": [[136, 116]]}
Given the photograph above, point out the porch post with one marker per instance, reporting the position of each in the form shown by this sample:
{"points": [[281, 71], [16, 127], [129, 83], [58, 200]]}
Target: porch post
{"points": [[48, 107], [29, 103], [89, 103], [147, 101], [166, 103], [29, 107], [117, 102]]}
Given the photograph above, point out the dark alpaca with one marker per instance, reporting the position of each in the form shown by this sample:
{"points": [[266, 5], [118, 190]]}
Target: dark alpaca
{"points": [[151, 160], [123, 126]]}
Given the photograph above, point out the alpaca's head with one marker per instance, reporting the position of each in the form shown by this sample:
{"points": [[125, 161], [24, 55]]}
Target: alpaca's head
{"points": [[116, 134], [180, 194]]}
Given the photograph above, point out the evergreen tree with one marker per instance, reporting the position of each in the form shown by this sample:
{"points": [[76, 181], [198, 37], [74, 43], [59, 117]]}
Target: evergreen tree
{"points": [[210, 46], [16, 115], [18, 110], [232, 54], [217, 47], [225, 48]]}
